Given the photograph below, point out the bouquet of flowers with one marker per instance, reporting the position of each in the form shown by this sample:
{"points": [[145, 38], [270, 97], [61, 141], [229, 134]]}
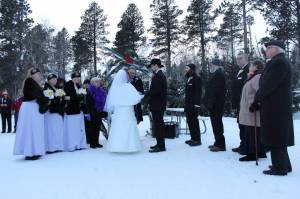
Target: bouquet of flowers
{"points": [[82, 91], [60, 93], [82, 95], [49, 94]]}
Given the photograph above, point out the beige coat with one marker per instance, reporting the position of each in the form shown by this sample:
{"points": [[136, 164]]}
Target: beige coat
{"points": [[248, 94]]}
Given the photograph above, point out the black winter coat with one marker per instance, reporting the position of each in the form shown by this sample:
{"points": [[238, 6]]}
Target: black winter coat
{"points": [[57, 104], [8, 105], [33, 91], [157, 95], [275, 96], [237, 87], [215, 91], [138, 84], [193, 91], [73, 105]]}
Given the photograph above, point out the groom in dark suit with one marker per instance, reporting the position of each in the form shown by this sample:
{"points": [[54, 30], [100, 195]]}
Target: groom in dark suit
{"points": [[157, 98]]}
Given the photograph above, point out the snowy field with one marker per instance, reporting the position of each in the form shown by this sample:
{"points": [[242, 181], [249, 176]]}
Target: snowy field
{"points": [[181, 172]]}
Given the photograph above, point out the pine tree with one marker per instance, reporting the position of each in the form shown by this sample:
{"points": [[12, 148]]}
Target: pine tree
{"points": [[229, 33], [130, 37], [93, 29], [62, 51], [14, 25], [81, 51], [165, 28], [199, 24]]}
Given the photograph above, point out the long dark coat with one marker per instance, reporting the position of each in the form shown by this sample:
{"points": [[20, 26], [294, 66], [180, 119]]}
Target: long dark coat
{"points": [[215, 91], [275, 96], [193, 91], [157, 95], [237, 87], [138, 84]]}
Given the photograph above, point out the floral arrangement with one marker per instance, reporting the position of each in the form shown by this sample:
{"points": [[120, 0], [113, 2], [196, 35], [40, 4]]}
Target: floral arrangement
{"points": [[60, 93], [49, 94]]}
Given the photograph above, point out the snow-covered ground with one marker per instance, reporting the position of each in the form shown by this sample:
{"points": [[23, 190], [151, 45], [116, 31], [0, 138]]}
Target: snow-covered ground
{"points": [[181, 172]]}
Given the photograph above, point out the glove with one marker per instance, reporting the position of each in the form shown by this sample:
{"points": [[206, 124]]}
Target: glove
{"points": [[255, 106]]}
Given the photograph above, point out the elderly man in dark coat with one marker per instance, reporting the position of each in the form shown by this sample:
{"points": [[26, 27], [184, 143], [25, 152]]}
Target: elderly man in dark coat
{"points": [[214, 101], [274, 98], [138, 85], [237, 87]]}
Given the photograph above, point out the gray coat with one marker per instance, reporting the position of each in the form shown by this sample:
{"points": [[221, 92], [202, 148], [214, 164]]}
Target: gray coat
{"points": [[248, 93]]}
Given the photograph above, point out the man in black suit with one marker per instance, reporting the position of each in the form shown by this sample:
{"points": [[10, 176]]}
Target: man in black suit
{"points": [[5, 109], [237, 87], [274, 99], [214, 101], [138, 84], [193, 92], [157, 98]]}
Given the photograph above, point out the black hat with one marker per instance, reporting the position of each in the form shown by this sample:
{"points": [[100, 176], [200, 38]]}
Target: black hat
{"points": [[278, 43], [156, 61], [75, 74], [34, 71], [192, 67], [51, 76]]}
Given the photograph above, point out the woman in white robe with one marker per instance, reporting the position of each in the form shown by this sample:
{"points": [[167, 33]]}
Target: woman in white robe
{"points": [[54, 122], [123, 132], [30, 135]]}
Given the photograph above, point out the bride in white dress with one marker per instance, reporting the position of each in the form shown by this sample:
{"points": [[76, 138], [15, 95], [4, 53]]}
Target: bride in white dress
{"points": [[123, 132]]}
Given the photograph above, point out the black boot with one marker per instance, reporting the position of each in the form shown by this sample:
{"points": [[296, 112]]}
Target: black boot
{"points": [[250, 157], [275, 173], [157, 149], [35, 157]]}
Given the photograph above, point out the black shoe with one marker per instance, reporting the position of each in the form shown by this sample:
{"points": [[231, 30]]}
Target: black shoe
{"points": [[99, 146], [8, 131], [262, 155], [3, 132], [236, 150], [289, 170], [188, 141], [275, 173], [157, 150], [211, 146], [248, 158], [195, 143], [35, 157], [152, 147], [217, 149]]}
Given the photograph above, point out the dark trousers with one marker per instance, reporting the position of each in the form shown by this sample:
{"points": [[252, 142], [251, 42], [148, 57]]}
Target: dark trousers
{"points": [[158, 127], [218, 129], [96, 123], [280, 159], [242, 136], [193, 123], [87, 125], [6, 117], [16, 119]]}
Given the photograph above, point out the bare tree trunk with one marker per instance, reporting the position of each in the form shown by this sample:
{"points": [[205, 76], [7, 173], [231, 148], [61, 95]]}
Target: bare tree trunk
{"points": [[246, 49]]}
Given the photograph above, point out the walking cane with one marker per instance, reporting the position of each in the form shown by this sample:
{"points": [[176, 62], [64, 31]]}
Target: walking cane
{"points": [[255, 134]]}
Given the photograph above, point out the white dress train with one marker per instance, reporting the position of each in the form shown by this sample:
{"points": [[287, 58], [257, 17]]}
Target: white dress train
{"points": [[123, 133], [54, 132], [30, 134]]}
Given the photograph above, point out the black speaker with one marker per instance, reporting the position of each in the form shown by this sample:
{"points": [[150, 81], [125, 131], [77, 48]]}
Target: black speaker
{"points": [[171, 130]]}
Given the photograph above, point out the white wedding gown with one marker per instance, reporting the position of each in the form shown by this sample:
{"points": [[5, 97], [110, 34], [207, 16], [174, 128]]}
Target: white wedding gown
{"points": [[123, 133]]}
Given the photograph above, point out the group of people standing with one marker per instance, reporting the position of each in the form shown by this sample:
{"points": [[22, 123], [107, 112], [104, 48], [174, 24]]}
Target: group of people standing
{"points": [[69, 118]]}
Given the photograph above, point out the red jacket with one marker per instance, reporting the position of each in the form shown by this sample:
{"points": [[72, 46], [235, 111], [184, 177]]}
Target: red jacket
{"points": [[17, 104]]}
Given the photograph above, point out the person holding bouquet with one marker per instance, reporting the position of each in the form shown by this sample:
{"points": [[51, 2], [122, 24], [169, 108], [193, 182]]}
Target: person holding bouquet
{"points": [[74, 130], [54, 117]]}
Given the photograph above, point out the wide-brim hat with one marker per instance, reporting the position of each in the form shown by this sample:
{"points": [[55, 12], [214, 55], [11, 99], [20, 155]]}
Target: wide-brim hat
{"points": [[157, 62]]}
